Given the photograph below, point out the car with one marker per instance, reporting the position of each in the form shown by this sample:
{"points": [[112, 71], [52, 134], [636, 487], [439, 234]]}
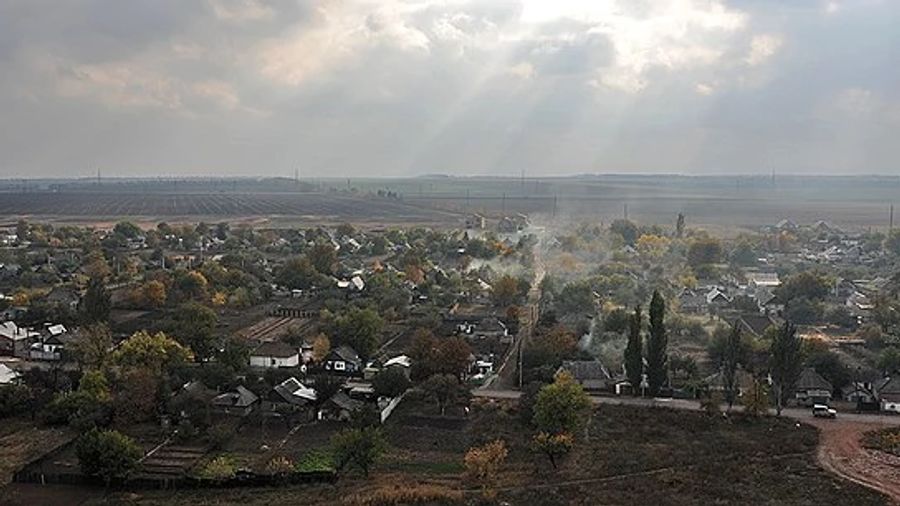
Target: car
{"points": [[823, 411]]}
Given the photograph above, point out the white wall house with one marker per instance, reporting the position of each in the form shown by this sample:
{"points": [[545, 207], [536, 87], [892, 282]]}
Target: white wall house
{"points": [[274, 355]]}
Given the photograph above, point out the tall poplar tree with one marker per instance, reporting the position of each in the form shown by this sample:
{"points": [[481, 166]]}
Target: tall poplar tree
{"points": [[786, 363], [634, 352], [657, 358]]}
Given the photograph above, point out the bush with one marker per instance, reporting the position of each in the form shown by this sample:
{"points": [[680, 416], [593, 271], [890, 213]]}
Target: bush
{"points": [[218, 435], [423, 494], [221, 468], [315, 461], [107, 454]]}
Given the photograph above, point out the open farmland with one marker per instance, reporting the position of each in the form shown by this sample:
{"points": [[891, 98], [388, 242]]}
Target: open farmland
{"points": [[297, 207], [634, 456]]}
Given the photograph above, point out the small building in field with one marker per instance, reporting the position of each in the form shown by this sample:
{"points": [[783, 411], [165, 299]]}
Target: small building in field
{"points": [[275, 354], [811, 388]]}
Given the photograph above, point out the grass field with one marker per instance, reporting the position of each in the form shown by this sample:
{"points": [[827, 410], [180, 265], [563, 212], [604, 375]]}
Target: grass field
{"points": [[634, 456]]}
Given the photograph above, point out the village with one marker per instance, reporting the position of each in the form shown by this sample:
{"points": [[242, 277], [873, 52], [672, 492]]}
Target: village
{"points": [[239, 355]]}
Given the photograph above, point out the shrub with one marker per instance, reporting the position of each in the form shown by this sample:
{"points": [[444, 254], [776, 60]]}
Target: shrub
{"points": [[421, 494], [279, 465], [315, 461], [107, 454], [220, 468], [483, 463]]}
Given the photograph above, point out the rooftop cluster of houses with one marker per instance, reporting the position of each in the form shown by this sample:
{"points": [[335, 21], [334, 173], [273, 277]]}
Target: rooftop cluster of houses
{"points": [[43, 343]]}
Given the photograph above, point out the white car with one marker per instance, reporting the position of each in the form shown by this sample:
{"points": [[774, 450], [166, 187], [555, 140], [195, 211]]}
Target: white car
{"points": [[823, 411]]}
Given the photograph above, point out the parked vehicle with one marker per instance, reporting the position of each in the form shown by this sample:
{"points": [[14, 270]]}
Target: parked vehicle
{"points": [[823, 411]]}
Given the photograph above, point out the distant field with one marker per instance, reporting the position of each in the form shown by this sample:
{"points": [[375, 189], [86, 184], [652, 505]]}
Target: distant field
{"points": [[725, 202], [314, 207]]}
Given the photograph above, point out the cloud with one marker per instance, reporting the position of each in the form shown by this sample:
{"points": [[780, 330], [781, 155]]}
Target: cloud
{"points": [[398, 87]]}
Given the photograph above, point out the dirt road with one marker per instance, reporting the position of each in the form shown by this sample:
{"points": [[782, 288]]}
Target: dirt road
{"points": [[841, 452]]}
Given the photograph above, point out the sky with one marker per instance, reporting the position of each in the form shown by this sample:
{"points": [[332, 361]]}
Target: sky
{"points": [[465, 87]]}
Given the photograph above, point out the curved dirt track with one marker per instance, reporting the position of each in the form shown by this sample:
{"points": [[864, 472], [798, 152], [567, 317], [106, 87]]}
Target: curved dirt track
{"points": [[841, 452]]}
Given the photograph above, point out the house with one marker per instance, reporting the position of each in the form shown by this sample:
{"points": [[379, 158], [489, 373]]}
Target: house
{"points": [[51, 343], [755, 324], [64, 296], [691, 302], [476, 221], [763, 279], [889, 394], [811, 388], [716, 298], [743, 382], [401, 362], [339, 407], [7, 375], [191, 401], [274, 354], [14, 340], [860, 392], [590, 374], [343, 359], [238, 402]]}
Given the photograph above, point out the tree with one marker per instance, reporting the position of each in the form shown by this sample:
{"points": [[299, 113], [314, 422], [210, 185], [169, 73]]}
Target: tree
{"points": [[657, 343], [390, 382], [829, 365], [107, 454], [195, 326], [704, 251], [806, 284], [443, 388], [154, 293], [756, 401], [617, 321], [358, 448], [321, 347], [803, 311], [93, 347], [297, 273], [235, 354], [892, 242], [679, 226], [889, 360], [786, 361], [553, 446], [323, 258], [625, 228], [153, 352], [94, 387], [731, 359], [483, 463], [505, 290], [127, 229], [137, 396], [96, 304], [576, 297], [634, 354], [562, 406], [192, 285], [360, 329]]}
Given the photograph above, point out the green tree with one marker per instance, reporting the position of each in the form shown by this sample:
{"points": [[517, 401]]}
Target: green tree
{"points": [[704, 251], [107, 454], [562, 406], [155, 352], [358, 448], [892, 242], [889, 360], [627, 229], [323, 258], [634, 352], [657, 343], [806, 284], [444, 389], [195, 326], [679, 226], [93, 347], [96, 304], [390, 382], [786, 361], [298, 273], [360, 329]]}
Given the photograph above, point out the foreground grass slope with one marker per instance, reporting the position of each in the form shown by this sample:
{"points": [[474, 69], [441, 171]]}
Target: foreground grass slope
{"points": [[632, 456]]}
